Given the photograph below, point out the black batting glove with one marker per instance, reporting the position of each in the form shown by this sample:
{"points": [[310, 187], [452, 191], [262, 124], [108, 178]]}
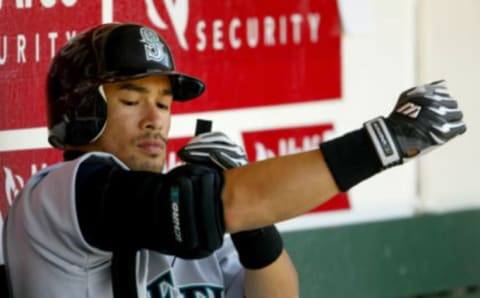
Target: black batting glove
{"points": [[424, 118]]}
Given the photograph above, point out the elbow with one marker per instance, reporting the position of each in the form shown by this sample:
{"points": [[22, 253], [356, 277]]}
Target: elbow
{"points": [[245, 206], [236, 211], [232, 219]]}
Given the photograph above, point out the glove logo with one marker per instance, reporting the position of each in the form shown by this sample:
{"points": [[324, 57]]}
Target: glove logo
{"points": [[383, 142], [410, 109], [382, 137]]}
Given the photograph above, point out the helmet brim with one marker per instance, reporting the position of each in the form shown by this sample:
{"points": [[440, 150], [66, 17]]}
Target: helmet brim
{"points": [[186, 87]]}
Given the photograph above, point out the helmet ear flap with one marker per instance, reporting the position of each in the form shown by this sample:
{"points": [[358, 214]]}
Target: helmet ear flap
{"points": [[89, 119], [83, 123]]}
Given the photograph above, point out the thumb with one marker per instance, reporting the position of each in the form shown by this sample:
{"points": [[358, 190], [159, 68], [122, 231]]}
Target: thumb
{"points": [[221, 160]]}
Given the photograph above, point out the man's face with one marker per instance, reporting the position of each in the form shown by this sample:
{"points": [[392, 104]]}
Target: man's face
{"points": [[138, 122]]}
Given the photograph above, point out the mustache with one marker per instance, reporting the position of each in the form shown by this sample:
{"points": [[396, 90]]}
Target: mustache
{"points": [[153, 136]]}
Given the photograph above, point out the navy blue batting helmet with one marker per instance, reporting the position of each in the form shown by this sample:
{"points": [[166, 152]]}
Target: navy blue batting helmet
{"points": [[106, 53]]}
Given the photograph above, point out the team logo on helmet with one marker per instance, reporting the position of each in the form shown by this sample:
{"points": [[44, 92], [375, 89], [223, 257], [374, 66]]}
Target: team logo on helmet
{"points": [[154, 47]]}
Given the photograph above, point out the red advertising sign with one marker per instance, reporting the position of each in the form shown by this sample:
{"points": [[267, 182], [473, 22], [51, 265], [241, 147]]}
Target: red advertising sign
{"points": [[249, 52], [265, 144], [31, 31], [16, 169]]}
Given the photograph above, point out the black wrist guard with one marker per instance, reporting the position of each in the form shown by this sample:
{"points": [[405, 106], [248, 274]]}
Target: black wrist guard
{"points": [[258, 248], [351, 158]]}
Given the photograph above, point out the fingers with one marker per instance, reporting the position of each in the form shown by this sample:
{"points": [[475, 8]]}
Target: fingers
{"points": [[214, 149], [442, 98], [193, 156], [428, 111], [450, 115], [446, 123], [212, 137], [212, 141], [235, 160], [225, 161], [436, 92], [447, 131], [434, 96], [440, 83], [214, 146]]}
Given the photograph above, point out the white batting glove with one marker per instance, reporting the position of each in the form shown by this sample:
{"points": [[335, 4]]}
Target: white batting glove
{"points": [[213, 149], [424, 118]]}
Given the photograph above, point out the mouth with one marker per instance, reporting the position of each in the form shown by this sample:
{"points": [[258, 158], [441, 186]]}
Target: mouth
{"points": [[152, 147]]}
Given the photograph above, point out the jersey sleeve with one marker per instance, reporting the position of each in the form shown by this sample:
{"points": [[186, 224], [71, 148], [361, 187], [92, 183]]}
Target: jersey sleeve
{"points": [[43, 226]]}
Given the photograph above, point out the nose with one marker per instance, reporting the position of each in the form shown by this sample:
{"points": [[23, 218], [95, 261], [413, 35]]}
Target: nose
{"points": [[153, 118]]}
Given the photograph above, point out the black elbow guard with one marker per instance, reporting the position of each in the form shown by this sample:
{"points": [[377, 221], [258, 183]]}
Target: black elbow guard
{"points": [[193, 195]]}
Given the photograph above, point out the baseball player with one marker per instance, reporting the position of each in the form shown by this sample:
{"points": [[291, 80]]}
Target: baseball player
{"points": [[107, 222]]}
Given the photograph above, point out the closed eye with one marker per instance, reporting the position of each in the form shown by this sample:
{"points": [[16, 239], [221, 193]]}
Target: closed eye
{"points": [[163, 106], [128, 102]]}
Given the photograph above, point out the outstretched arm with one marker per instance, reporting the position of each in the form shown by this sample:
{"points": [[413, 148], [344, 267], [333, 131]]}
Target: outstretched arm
{"points": [[269, 191]]}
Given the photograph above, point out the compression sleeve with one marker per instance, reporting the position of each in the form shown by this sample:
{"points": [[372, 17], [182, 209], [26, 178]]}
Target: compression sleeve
{"points": [[118, 208]]}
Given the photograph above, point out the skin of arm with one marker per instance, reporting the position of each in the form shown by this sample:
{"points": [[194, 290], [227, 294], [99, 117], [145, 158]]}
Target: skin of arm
{"points": [[278, 279], [257, 195]]}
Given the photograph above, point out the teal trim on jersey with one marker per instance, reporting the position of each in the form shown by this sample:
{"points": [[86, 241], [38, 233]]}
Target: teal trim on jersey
{"points": [[164, 287], [436, 255], [175, 194]]}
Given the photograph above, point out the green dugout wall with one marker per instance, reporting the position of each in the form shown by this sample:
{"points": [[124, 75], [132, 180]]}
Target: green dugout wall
{"points": [[435, 255]]}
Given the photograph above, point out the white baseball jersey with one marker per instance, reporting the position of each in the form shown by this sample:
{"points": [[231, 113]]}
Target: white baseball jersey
{"points": [[47, 256]]}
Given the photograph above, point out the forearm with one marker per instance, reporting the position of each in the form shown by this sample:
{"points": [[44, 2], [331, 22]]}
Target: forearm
{"points": [[277, 189], [279, 279], [273, 190]]}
